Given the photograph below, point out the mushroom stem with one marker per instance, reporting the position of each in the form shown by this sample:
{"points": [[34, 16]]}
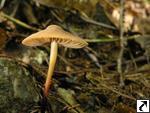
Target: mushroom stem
{"points": [[53, 56]]}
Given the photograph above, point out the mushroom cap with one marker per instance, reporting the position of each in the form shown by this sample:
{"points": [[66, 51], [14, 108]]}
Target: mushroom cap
{"points": [[54, 33]]}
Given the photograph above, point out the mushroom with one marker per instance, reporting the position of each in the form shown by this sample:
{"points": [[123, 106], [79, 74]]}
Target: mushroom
{"points": [[53, 35]]}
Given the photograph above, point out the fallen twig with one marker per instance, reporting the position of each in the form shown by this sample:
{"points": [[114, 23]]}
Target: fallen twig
{"points": [[120, 56], [18, 22]]}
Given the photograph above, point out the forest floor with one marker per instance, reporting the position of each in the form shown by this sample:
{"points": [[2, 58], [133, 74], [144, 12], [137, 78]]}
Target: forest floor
{"points": [[107, 76]]}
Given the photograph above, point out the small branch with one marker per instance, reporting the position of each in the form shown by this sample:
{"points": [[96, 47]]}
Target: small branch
{"points": [[120, 57], [89, 20], [18, 22], [113, 39]]}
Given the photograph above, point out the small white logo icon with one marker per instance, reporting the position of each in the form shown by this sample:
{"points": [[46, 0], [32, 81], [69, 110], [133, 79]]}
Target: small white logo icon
{"points": [[142, 106]]}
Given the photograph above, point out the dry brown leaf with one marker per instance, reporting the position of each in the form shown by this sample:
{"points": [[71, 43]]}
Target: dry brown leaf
{"points": [[3, 38], [134, 11]]}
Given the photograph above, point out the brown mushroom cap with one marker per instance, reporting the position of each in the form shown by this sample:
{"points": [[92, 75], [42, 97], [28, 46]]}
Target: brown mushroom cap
{"points": [[54, 33]]}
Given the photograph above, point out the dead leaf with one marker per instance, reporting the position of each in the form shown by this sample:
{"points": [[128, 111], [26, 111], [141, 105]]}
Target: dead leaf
{"points": [[3, 38], [134, 11]]}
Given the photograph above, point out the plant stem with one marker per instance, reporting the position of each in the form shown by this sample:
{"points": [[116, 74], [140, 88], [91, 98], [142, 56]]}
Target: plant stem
{"points": [[18, 22], [122, 42], [52, 62]]}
